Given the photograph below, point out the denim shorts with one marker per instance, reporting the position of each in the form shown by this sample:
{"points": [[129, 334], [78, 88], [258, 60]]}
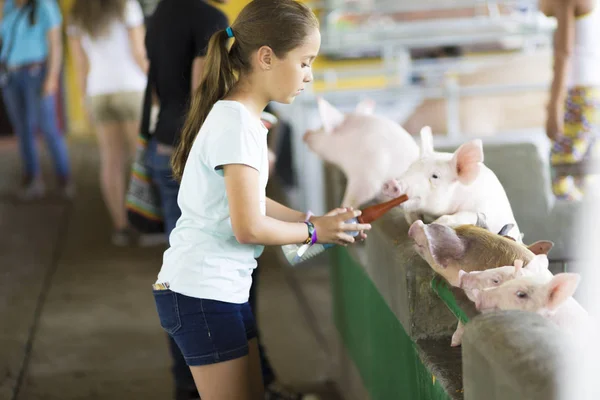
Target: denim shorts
{"points": [[206, 331]]}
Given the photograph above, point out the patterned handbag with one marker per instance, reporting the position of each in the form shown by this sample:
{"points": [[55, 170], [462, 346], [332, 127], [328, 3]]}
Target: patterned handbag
{"points": [[144, 209]]}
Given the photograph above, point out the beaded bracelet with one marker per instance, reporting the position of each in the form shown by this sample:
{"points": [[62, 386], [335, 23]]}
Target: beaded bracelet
{"points": [[314, 234]]}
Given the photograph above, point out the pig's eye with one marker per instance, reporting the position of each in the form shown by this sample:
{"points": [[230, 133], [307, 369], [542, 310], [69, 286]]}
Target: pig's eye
{"points": [[434, 176], [521, 295], [496, 281]]}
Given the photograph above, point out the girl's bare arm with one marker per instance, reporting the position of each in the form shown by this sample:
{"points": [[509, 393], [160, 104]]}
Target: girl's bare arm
{"points": [[138, 48], [80, 61], [249, 225]]}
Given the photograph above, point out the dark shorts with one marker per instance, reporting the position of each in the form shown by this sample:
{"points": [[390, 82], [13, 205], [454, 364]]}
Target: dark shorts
{"points": [[206, 331]]}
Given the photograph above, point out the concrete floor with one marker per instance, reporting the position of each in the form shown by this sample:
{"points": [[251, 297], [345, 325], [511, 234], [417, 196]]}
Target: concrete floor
{"points": [[78, 317]]}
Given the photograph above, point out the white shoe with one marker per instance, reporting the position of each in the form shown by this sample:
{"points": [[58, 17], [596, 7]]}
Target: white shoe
{"points": [[67, 190], [32, 191]]}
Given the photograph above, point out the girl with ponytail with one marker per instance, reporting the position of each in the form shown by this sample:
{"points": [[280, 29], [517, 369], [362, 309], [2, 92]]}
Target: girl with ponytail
{"points": [[221, 162]]}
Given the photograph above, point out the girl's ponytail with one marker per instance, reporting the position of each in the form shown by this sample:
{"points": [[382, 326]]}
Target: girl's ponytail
{"points": [[283, 25], [217, 80]]}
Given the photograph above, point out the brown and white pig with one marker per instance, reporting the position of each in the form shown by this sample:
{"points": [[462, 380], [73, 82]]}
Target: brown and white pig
{"points": [[550, 298], [449, 250], [369, 149], [453, 187]]}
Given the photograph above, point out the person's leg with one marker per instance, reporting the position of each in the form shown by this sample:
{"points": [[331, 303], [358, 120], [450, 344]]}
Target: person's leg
{"points": [[273, 389], [257, 387], [111, 146], [256, 369], [223, 381], [244, 373], [20, 113], [168, 189], [129, 107], [267, 372], [48, 122], [212, 335]]}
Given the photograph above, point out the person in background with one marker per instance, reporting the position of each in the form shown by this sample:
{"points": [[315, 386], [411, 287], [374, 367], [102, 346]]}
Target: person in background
{"points": [[32, 52], [573, 118], [106, 39], [176, 42]]}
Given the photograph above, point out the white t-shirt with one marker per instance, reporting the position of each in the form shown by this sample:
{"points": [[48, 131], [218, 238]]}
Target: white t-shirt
{"points": [[112, 66], [204, 259]]}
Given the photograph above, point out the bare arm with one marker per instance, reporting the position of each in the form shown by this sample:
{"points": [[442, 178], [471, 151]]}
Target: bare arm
{"points": [[279, 211], [55, 53], [197, 71], [564, 38], [80, 60], [251, 227], [138, 48]]}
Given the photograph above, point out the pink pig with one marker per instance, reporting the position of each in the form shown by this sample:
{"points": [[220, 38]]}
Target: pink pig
{"points": [[453, 187], [551, 299], [469, 281], [448, 251], [369, 149]]}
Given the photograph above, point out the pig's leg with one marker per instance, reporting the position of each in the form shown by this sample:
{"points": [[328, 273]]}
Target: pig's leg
{"points": [[458, 334], [458, 219]]}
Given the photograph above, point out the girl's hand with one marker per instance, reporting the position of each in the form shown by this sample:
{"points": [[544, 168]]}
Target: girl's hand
{"points": [[50, 86], [554, 124], [332, 227]]}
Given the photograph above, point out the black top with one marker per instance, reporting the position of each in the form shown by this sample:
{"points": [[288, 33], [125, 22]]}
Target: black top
{"points": [[177, 32]]}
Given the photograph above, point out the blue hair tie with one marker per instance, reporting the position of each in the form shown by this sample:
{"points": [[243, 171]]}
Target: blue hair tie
{"points": [[229, 32]]}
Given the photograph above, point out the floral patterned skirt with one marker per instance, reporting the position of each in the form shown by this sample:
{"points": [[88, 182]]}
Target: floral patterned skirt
{"points": [[581, 129]]}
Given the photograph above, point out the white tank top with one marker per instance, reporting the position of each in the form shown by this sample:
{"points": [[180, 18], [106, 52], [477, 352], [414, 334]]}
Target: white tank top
{"points": [[112, 66], [585, 62]]}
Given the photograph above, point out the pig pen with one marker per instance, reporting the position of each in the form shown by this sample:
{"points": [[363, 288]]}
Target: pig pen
{"points": [[395, 330]]}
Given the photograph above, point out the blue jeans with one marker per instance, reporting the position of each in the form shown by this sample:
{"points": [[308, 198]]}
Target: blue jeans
{"points": [[168, 188], [28, 108]]}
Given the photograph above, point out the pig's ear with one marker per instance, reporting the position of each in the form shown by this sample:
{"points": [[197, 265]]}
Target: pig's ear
{"points": [[466, 161], [505, 229], [444, 244], [518, 266], [330, 116], [461, 274], [560, 288], [541, 247], [482, 221], [426, 141], [366, 107]]}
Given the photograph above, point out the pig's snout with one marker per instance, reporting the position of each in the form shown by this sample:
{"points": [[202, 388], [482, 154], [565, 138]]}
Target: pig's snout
{"points": [[484, 300], [416, 229], [392, 188]]}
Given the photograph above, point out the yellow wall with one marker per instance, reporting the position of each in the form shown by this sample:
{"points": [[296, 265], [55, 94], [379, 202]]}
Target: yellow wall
{"points": [[74, 110]]}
